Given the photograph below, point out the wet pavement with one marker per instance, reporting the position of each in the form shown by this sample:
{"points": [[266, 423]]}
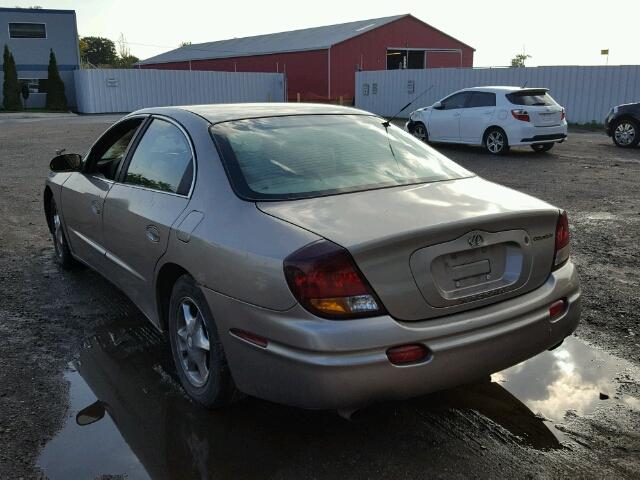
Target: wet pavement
{"points": [[129, 418]]}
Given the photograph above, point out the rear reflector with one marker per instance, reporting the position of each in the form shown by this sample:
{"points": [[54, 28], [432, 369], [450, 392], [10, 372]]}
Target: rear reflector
{"points": [[557, 308], [406, 354], [521, 115], [250, 337]]}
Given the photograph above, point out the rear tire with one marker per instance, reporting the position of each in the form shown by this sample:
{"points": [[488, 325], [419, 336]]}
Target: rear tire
{"points": [[626, 133], [541, 147], [61, 246], [196, 348], [495, 141]]}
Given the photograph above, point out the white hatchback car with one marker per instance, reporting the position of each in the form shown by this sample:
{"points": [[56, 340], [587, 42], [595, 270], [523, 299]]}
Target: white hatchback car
{"points": [[495, 117]]}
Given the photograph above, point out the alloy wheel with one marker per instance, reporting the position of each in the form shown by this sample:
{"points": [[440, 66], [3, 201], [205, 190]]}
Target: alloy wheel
{"points": [[420, 132], [193, 342], [58, 236], [495, 141], [625, 133]]}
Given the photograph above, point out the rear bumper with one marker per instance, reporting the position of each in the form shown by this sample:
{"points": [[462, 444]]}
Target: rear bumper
{"points": [[323, 364], [529, 134]]}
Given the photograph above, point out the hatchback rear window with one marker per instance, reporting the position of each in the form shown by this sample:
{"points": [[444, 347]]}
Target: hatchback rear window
{"points": [[531, 98], [289, 157]]}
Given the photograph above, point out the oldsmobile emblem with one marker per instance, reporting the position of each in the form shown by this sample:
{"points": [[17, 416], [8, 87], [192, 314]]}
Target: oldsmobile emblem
{"points": [[475, 240]]}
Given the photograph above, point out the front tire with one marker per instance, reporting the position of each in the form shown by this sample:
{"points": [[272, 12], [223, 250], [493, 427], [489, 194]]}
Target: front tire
{"points": [[420, 132], [496, 142], [61, 246], [626, 133], [196, 348], [541, 147]]}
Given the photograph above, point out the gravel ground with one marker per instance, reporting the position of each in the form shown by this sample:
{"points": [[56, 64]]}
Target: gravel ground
{"points": [[46, 313]]}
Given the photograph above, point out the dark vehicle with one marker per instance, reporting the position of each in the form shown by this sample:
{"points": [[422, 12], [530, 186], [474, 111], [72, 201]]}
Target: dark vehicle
{"points": [[623, 125]]}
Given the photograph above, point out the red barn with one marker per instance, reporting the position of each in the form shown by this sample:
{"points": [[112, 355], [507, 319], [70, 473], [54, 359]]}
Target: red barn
{"points": [[320, 62]]}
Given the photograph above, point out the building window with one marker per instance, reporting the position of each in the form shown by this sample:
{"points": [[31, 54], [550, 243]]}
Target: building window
{"points": [[35, 85], [27, 30], [405, 59]]}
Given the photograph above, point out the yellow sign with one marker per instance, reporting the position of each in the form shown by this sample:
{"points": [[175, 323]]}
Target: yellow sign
{"points": [[604, 52]]}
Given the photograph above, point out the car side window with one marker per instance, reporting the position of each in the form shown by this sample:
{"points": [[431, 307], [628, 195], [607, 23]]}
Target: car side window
{"points": [[108, 152], [162, 160], [455, 101], [482, 99]]}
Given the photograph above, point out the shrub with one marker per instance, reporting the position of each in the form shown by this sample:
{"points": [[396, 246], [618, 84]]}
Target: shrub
{"points": [[10, 86], [56, 98]]}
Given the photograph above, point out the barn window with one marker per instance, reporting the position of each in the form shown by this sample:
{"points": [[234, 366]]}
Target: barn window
{"points": [[405, 59]]}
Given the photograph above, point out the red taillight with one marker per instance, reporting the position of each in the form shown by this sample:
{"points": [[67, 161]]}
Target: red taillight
{"points": [[521, 115], [562, 115], [405, 354], [562, 240], [557, 308], [326, 281]]}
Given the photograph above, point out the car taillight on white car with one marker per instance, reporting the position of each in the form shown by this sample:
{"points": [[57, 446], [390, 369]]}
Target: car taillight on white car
{"points": [[326, 281], [563, 115], [520, 114], [562, 241]]}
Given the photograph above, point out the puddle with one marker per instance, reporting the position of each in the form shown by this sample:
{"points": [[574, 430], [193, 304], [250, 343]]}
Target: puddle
{"points": [[138, 424]]}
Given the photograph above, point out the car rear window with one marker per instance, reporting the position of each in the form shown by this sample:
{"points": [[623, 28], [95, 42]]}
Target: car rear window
{"points": [[531, 98], [289, 157]]}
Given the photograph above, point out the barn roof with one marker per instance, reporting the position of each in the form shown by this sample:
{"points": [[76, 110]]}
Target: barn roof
{"points": [[316, 38]]}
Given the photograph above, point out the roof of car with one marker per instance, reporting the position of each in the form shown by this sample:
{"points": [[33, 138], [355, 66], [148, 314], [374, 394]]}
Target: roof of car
{"points": [[217, 113], [498, 89]]}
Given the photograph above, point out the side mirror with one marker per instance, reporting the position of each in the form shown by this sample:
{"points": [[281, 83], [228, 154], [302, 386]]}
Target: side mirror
{"points": [[67, 162], [90, 414], [437, 106]]}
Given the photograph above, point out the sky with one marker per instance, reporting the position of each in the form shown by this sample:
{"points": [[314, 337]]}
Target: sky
{"points": [[560, 32]]}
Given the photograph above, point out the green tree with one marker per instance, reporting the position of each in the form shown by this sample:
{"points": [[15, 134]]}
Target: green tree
{"points": [[99, 50], [519, 59], [56, 98], [10, 84]]}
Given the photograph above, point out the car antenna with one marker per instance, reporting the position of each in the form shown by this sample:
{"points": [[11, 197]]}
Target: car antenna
{"points": [[387, 122]]}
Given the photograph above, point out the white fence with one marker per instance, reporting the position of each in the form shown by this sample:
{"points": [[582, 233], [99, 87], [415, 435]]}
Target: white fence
{"points": [[586, 92], [110, 91]]}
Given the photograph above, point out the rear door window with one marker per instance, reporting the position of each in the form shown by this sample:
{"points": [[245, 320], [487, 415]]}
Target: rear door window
{"points": [[531, 98], [162, 160], [482, 99]]}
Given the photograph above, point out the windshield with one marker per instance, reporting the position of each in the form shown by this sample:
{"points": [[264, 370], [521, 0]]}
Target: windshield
{"points": [[277, 158]]}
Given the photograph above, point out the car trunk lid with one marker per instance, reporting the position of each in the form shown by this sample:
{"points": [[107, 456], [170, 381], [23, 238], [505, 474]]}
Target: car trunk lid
{"points": [[438, 248]]}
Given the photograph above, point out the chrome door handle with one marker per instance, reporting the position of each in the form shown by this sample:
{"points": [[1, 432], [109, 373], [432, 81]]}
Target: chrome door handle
{"points": [[153, 234]]}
